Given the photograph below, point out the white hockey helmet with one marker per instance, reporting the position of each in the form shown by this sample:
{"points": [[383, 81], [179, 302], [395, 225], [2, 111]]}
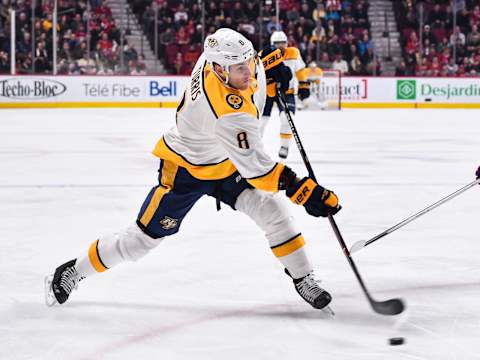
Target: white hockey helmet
{"points": [[227, 47], [278, 37]]}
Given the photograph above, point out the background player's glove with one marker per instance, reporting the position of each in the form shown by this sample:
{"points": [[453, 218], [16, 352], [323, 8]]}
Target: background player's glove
{"points": [[303, 90], [276, 72], [478, 173], [317, 200]]}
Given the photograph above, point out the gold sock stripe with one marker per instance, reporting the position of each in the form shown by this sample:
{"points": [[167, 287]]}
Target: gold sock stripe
{"points": [[289, 246], [94, 257], [153, 205], [285, 136]]}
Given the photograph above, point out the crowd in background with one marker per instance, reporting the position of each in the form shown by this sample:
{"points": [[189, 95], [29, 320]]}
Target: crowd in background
{"points": [[433, 43], [76, 54], [335, 33]]}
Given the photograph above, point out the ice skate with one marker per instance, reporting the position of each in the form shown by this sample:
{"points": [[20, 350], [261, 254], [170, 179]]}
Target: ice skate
{"points": [[59, 285], [308, 288], [283, 152]]}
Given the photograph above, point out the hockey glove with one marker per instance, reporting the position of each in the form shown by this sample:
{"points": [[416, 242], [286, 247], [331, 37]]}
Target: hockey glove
{"points": [[303, 90], [316, 200], [478, 173]]}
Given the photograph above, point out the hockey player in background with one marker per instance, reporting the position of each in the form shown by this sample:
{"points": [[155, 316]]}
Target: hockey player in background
{"points": [[215, 149], [291, 57]]}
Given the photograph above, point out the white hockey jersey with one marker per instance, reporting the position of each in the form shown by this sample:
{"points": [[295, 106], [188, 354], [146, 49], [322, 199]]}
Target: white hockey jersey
{"points": [[219, 130]]}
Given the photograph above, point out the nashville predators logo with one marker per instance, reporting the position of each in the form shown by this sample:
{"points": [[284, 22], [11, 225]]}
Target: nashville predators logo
{"points": [[212, 42], [234, 101], [168, 223]]}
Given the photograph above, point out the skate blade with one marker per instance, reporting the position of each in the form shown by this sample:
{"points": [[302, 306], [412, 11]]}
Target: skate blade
{"points": [[50, 299], [328, 310]]}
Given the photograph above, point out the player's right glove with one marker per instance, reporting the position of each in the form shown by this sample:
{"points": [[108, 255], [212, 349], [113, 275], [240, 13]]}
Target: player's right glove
{"points": [[316, 200], [478, 173], [303, 90]]}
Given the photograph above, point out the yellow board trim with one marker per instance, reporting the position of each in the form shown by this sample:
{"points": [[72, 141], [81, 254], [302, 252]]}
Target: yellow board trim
{"points": [[95, 259], [202, 172], [172, 104], [80, 104], [289, 247], [397, 105], [268, 182], [285, 136], [153, 205]]}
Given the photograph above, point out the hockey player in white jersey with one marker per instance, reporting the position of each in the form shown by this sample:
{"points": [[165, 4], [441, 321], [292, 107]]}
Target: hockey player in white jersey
{"points": [[215, 149], [293, 60]]}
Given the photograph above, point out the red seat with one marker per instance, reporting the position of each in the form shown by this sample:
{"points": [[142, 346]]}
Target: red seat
{"points": [[171, 51]]}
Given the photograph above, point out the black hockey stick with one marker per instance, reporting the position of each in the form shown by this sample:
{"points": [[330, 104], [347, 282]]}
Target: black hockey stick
{"points": [[362, 243], [387, 307]]}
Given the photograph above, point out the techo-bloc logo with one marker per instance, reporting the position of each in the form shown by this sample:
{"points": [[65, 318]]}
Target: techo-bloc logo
{"points": [[406, 89], [31, 88]]}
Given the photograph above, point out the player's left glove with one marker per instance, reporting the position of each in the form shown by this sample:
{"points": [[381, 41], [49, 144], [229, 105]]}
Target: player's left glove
{"points": [[478, 173], [303, 90]]}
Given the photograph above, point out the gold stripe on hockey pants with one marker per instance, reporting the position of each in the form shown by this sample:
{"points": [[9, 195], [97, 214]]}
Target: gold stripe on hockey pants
{"points": [[94, 257], [289, 246], [153, 205]]}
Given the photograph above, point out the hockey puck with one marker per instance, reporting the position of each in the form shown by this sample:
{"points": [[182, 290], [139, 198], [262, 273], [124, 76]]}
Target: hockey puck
{"points": [[396, 341]]}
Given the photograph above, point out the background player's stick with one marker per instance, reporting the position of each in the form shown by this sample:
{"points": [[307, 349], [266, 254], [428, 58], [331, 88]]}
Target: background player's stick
{"points": [[387, 307], [362, 243]]}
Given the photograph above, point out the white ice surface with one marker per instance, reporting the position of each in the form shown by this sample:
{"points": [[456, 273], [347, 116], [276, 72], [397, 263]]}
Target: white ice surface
{"points": [[215, 291]]}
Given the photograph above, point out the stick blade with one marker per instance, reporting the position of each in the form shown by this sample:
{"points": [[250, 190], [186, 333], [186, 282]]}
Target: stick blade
{"points": [[359, 245], [389, 307]]}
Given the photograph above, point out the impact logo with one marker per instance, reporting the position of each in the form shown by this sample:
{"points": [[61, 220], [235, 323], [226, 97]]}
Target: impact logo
{"points": [[234, 101], [31, 89], [406, 89], [168, 223]]}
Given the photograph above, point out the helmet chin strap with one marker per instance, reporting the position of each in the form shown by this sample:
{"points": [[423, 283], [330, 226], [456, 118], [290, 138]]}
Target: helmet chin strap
{"points": [[225, 74]]}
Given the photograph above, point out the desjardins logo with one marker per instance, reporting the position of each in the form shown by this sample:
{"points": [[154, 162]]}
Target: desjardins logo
{"points": [[406, 89]]}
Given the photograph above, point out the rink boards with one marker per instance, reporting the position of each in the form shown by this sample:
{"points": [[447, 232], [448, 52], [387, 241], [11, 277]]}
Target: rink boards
{"points": [[165, 91]]}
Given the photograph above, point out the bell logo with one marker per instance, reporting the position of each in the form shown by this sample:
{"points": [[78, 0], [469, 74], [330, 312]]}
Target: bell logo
{"points": [[406, 89]]}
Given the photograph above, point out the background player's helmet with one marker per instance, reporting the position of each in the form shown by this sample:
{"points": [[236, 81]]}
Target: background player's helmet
{"points": [[278, 37], [227, 47]]}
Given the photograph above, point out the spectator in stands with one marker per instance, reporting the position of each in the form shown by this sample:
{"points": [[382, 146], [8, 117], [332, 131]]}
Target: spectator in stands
{"points": [[182, 37], [42, 63], [340, 64], [364, 45], [356, 66], [181, 16], [4, 63], [325, 62], [401, 69], [457, 37], [428, 35], [180, 66], [473, 39]]}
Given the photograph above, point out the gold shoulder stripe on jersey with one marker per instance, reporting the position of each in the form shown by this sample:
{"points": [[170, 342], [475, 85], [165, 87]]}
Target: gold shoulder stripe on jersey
{"points": [[234, 101], [291, 53], [269, 181], [288, 246], [216, 92], [216, 171]]}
